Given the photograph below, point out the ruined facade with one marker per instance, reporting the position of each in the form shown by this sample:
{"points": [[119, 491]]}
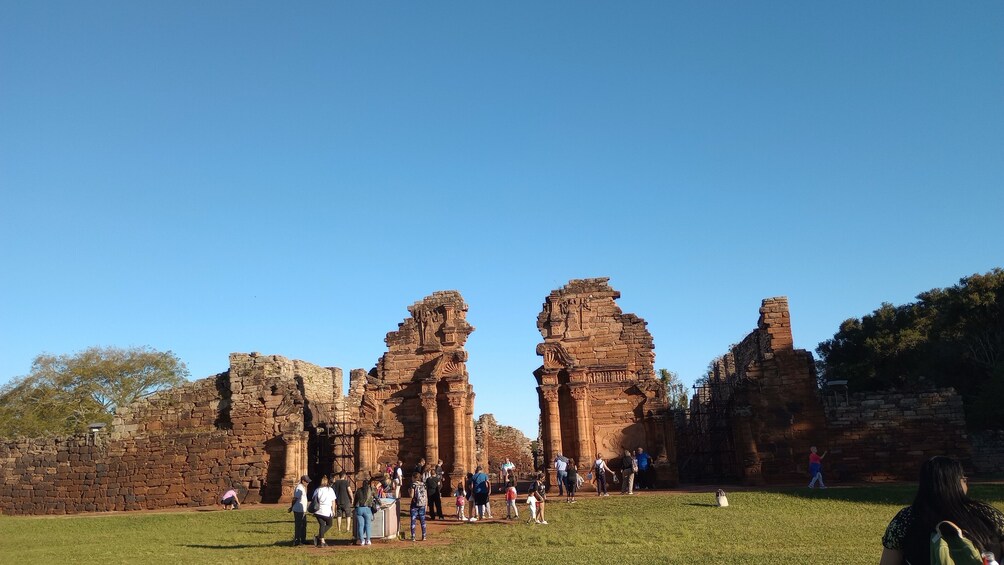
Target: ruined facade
{"points": [[759, 411], [418, 401], [250, 427], [597, 388]]}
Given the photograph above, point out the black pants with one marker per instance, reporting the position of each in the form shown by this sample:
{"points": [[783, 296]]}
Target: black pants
{"points": [[435, 506], [323, 522], [300, 527]]}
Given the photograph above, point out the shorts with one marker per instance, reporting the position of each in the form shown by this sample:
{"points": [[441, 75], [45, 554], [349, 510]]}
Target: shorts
{"points": [[343, 511], [481, 498]]}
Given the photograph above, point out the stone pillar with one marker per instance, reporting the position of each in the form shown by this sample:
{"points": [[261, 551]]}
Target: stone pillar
{"points": [[456, 400], [296, 461], [431, 425], [365, 459], [552, 423], [470, 447], [583, 431]]}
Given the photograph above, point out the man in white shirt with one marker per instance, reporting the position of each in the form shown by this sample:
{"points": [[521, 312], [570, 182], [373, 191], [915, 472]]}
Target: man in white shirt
{"points": [[561, 469]]}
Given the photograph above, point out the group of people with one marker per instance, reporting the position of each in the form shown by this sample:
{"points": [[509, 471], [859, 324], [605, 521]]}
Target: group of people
{"points": [[335, 500], [636, 469]]}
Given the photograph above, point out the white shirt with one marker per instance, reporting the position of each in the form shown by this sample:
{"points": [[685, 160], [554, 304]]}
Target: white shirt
{"points": [[324, 496], [300, 498]]}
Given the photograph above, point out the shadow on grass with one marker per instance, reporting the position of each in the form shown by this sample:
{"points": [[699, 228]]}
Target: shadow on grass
{"points": [[700, 504], [240, 545]]}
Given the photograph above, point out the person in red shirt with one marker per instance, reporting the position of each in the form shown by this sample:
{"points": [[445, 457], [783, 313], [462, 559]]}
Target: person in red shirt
{"points": [[816, 467]]}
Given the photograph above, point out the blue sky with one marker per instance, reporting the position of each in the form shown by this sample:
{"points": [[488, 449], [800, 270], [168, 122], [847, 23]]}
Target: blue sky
{"points": [[287, 178]]}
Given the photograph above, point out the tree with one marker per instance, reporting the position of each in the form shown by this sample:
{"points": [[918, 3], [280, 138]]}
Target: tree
{"points": [[948, 337], [676, 392], [63, 394]]}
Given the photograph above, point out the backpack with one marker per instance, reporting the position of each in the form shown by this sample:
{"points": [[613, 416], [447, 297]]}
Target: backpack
{"points": [[950, 547]]}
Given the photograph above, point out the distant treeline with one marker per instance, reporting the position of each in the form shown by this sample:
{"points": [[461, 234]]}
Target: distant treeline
{"points": [[948, 337]]}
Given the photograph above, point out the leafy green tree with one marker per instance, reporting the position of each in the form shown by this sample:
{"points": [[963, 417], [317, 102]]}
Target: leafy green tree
{"points": [[948, 337], [63, 394], [676, 392]]}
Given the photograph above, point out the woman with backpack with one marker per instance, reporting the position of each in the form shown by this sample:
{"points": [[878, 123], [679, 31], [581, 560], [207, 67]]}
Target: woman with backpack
{"points": [[941, 495]]}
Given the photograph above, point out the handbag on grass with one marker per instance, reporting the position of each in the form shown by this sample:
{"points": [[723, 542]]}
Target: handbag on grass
{"points": [[721, 499]]}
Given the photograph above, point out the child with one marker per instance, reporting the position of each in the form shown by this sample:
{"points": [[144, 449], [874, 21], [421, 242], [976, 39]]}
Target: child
{"points": [[531, 503], [511, 513], [461, 495]]}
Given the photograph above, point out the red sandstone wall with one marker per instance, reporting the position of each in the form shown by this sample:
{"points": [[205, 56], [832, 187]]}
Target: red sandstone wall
{"points": [[887, 435], [181, 447]]}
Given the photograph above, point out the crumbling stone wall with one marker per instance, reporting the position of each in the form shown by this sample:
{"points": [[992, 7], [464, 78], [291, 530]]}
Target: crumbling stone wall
{"points": [[418, 402], [880, 436], [180, 447], [988, 452], [498, 442], [759, 412], [597, 387]]}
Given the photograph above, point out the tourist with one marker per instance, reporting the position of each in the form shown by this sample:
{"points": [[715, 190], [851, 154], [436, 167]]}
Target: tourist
{"points": [[469, 495], [643, 480], [461, 496], [571, 480], [324, 496], [343, 501], [433, 485], [299, 509], [600, 470], [398, 479], [419, 500], [629, 466], [941, 495], [511, 512], [481, 486], [363, 500], [561, 470], [230, 500], [420, 468], [508, 469], [439, 470], [538, 492], [816, 467]]}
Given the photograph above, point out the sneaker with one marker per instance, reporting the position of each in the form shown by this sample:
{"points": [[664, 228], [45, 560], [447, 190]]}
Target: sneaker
{"points": [[412, 538], [544, 522], [423, 538], [368, 542]]}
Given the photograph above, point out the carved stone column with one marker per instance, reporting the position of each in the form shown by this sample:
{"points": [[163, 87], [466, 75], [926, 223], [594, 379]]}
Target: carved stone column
{"points": [[456, 400], [431, 425], [552, 422], [296, 461], [584, 435], [365, 461]]}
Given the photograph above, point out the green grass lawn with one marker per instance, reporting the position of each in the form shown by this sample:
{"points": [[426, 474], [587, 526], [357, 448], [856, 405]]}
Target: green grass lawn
{"points": [[838, 525]]}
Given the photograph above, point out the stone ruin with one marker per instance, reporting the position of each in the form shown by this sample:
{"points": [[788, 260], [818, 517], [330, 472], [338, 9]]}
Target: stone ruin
{"points": [[248, 426], [597, 388], [760, 410], [418, 401]]}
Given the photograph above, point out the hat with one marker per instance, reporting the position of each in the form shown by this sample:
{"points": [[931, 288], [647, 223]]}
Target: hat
{"points": [[305, 479]]}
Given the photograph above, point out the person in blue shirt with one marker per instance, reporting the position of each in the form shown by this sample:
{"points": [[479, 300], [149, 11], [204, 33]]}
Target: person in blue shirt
{"points": [[481, 487], [561, 470], [644, 466]]}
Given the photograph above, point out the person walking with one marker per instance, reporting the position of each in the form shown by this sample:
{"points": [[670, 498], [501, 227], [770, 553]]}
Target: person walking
{"points": [[643, 478], [433, 486], [343, 501], [363, 501], [539, 493], [511, 512], [298, 507], [461, 499], [600, 471], [942, 494], [816, 467], [419, 500], [325, 497], [482, 486], [572, 481], [561, 470], [629, 467]]}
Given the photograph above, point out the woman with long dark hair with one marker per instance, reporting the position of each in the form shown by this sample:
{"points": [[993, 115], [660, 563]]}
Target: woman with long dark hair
{"points": [[941, 495]]}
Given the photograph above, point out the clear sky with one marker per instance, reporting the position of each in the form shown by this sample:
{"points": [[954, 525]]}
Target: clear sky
{"points": [[216, 177]]}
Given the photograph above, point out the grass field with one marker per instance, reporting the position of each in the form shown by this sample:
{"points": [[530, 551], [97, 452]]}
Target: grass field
{"points": [[838, 525]]}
